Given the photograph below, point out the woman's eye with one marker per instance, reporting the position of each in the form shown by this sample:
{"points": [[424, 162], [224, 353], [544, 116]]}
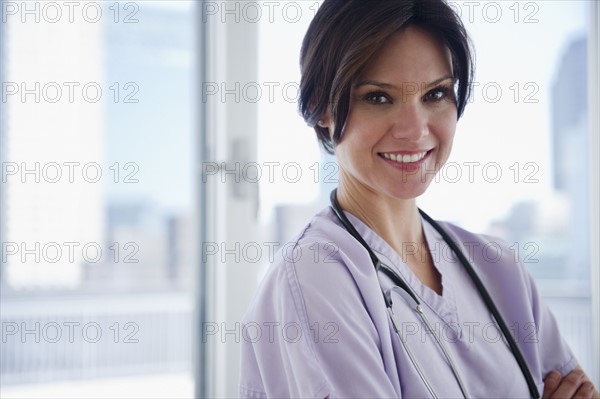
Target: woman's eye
{"points": [[438, 94], [377, 98]]}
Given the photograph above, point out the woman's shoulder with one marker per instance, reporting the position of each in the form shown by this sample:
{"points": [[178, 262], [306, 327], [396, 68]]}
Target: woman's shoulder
{"points": [[479, 246], [466, 235], [322, 241], [316, 292], [321, 256], [496, 261], [320, 229]]}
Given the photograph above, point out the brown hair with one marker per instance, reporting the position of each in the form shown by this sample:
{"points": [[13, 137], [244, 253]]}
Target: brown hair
{"points": [[342, 39]]}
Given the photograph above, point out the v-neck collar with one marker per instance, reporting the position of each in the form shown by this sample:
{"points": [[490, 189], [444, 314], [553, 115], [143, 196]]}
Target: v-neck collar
{"points": [[443, 305]]}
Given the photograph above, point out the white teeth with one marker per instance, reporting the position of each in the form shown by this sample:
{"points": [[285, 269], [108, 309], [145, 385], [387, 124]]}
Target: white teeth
{"points": [[405, 158]]}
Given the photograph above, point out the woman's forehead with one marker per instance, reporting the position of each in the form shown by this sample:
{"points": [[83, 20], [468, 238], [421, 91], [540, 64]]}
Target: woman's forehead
{"points": [[413, 54]]}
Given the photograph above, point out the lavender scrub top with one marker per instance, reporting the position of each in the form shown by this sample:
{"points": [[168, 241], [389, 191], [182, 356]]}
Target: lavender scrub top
{"points": [[318, 325]]}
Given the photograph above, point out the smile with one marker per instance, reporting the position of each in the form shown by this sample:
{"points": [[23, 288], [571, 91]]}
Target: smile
{"points": [[404, 158]]}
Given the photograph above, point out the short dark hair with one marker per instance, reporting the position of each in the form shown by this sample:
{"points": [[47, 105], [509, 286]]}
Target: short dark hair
{"points": [[342, 39]]}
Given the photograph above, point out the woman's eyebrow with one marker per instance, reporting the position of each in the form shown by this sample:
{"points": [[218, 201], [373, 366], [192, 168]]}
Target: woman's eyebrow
{"points": [[377, 83], [385, 85], [438, 81]]}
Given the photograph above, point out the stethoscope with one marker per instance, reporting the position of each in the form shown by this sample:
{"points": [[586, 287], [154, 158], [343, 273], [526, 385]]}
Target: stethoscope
{"points": [[402, 288]]}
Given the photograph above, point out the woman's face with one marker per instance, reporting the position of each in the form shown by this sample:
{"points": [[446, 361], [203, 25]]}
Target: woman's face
{"points": [[402, 118]]}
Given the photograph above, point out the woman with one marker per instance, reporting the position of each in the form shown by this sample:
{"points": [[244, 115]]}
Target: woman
{"points": [[383, 84]]}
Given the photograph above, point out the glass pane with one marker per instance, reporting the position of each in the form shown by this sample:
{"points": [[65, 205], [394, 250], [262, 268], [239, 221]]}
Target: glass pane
{"points": [[98, 219]]}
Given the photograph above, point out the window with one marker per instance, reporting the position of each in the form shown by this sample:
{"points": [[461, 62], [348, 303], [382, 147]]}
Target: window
{"points": [[99, 222]]}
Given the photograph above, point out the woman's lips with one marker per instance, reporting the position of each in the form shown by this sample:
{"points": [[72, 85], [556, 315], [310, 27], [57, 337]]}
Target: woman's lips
{"points": [[407, 161]]}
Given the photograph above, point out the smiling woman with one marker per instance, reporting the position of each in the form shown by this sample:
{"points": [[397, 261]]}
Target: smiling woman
{"points": [[390, 123], [325, 88], [394, 134], [384, 96]]}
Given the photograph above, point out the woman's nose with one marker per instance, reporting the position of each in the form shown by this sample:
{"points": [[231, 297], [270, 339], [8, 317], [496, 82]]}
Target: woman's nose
{"points": [[410, 120]]}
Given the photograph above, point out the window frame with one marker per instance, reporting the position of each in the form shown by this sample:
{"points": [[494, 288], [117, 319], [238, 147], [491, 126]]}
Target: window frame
{"points": [[594, 178]]}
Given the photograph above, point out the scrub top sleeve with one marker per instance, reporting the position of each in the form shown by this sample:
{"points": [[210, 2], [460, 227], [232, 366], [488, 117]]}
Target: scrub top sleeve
{"points": [[277, 359], [554, 352], [326, 344], [334, 291]]}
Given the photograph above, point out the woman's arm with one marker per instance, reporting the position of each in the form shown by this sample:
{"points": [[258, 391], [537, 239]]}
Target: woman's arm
{"points": [[325, 341]]}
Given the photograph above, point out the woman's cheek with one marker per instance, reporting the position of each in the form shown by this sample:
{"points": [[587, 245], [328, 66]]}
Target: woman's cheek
{"points": [[444, 127]]}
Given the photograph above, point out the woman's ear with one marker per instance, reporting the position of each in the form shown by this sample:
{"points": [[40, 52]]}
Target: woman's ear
{"points": [[325, 121]]}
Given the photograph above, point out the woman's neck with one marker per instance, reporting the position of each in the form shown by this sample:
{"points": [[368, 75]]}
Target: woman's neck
{"points": [[397, 221]]}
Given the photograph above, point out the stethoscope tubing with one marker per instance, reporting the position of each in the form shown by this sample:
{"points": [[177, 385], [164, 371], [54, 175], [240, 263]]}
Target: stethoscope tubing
{"points": [[489, 303], [379, 266]]}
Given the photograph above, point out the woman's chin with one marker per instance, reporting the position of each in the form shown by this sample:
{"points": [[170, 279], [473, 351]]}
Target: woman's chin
{"points": [[407, 192]]}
